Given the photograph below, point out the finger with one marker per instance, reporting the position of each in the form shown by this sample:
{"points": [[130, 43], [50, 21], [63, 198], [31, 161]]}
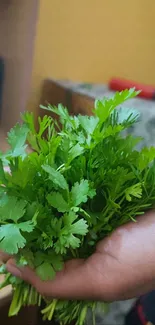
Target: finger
{"points": [[4, 257], [75, 281], [29, 275]]}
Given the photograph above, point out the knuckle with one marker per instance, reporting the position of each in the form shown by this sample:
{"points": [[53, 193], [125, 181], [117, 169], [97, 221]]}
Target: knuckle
{"points": [[41, 287]]}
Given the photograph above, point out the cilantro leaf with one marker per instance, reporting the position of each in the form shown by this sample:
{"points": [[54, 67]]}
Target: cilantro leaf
{"points": [[11, 239], [17, 140], [75, 151], [72, 241], [28, 118], [112, 130], [57, 262], [57, 201], [134, 190], [88, 123], [67, 234], [25, 174], [128, 115], [43, 124], [25, 258], [45, 271], [47, 264], [2, 174], [56, 177], [147, 155], [69, 218], [26, 226], [103, 108], [13, 209], [61, 111], [3, 269], [79, 228], [35, 139], [80, 192]]}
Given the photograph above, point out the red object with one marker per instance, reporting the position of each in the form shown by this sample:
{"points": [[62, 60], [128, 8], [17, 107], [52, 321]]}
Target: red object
{"points": [[147, 92], [141, 315]]}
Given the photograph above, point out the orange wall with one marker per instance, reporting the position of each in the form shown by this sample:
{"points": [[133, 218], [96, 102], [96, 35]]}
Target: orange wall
{"points": [[92, 40]]}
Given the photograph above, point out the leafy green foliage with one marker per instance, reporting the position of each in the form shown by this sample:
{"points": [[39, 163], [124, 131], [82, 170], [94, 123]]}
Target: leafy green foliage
{"points": [[57, 201], [46, 265], [81, 181], [11, 237], [16, 139], [56, 177], [80, 192], [13, 210]]}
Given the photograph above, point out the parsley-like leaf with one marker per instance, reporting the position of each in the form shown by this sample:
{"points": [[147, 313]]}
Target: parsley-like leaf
{"points": [[56, 177], [75, 151], [57, 201], [2, 174], [146, 156], [17, 140], [11, 239], [103, 108], [45, 271], [26, 226], [47, 264], [80, 192], [134, 190], [13, 209], [79, 228]]}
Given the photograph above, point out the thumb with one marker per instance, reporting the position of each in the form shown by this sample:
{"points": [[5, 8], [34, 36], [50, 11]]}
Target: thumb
{"points": [[25, 273]]}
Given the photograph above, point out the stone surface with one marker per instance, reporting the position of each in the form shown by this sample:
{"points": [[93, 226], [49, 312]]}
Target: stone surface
{"points": [[116, 314]]}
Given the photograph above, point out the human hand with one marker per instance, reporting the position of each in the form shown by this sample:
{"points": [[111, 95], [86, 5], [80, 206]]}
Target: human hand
{"points": [[122, 267]]}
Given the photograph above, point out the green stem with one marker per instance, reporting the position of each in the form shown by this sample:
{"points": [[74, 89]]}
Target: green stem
{"points": [[83, 315], [30, 296], [39, 300], [16, 303], [49, 310], [93, 313], [25, 296], [35, 296], [6, 281], [52, 309], [93, 317], [73, 252], [101, 224]]}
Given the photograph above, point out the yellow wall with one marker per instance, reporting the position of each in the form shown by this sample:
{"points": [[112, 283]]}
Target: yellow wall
{"points": [[92, 40]]}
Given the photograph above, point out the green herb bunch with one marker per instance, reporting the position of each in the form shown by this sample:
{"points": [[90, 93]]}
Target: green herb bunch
{"points": [[81, 181]]}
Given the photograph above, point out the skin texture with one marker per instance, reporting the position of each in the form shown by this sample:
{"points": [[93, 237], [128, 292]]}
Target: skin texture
{"points": [[122, 267]]}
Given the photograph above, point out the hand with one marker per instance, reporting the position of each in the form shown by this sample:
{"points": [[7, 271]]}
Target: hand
{"points": [[122, 267]]}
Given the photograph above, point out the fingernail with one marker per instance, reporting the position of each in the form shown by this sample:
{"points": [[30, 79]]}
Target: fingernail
{"points": [[13, 269]]}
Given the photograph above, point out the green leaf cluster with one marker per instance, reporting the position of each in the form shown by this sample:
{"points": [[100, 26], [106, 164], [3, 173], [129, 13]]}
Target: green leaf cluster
{"points": [[81, 181]]}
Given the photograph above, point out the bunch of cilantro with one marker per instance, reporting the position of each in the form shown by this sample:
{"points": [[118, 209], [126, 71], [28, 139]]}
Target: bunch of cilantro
{"points": [[82, 179]]}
